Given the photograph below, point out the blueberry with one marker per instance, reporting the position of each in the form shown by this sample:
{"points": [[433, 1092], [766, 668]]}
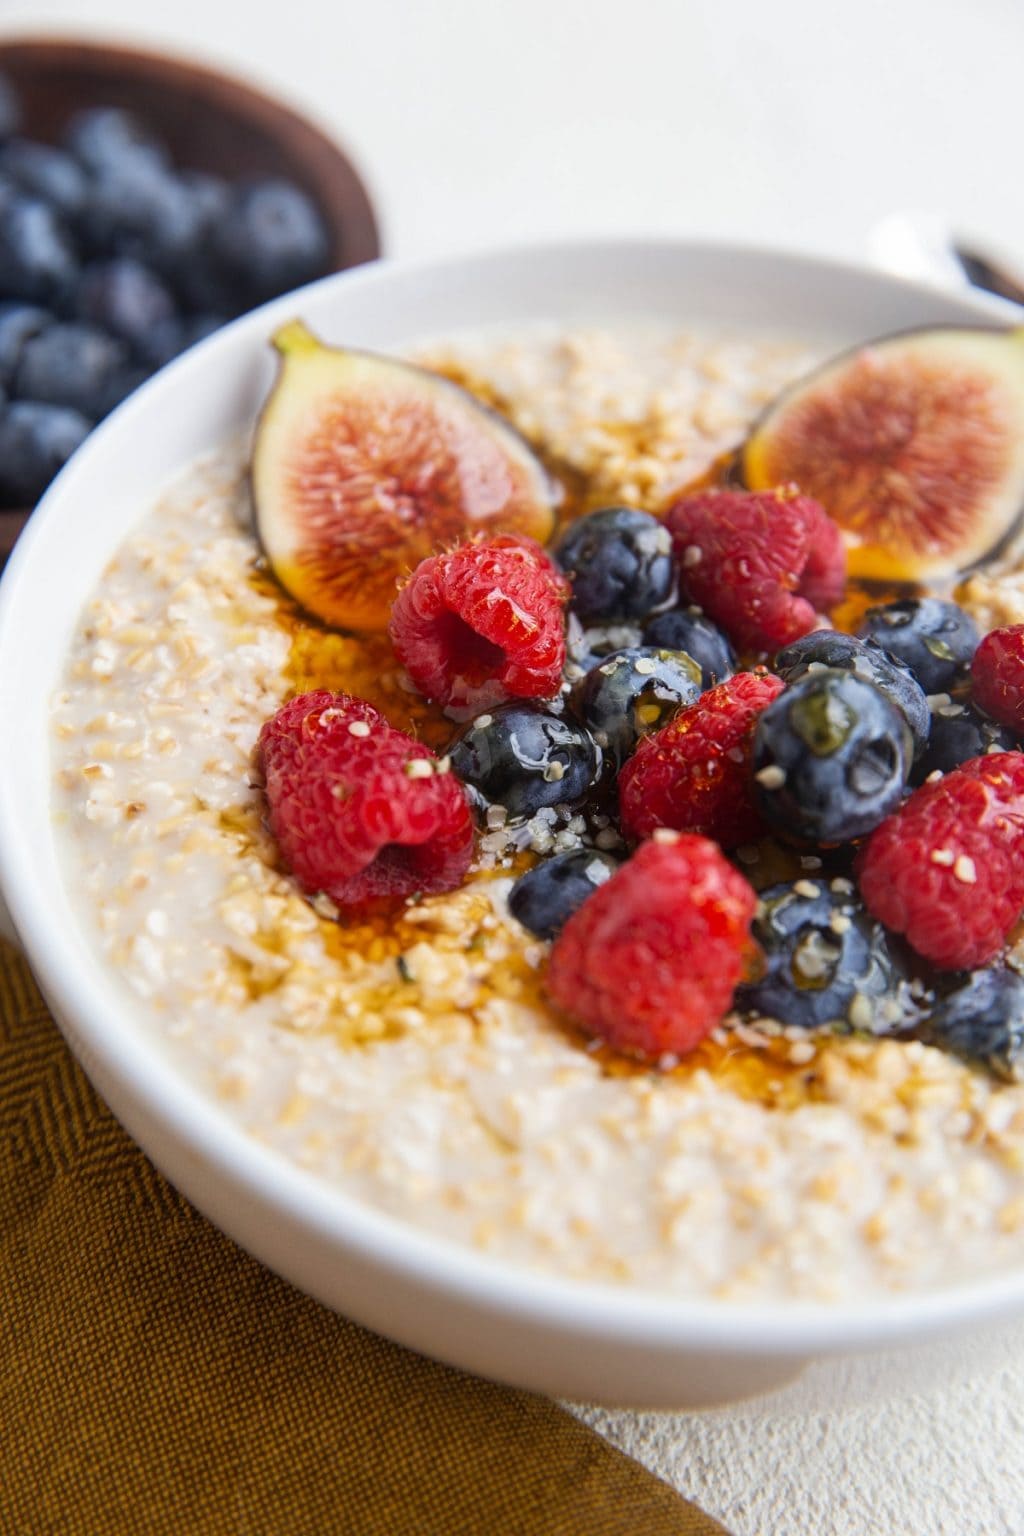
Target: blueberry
{"points": [[523, 757], [126, 299], [619, 562], [686, 629], [141, 211], [631, 693], [545, 898], [845, 653], [831, 756], [935, 638], [272, 239], [37, 258], [10, 109], [35, 442], [73, 365], [821, 951], [960, 731], [46, 173], [102, 138], [120, 384], [982, 1019], [18, 324], [169, 339]]}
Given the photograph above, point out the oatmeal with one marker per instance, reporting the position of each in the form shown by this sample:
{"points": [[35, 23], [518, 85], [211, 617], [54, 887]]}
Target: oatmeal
{"points": [[414, 1062]]}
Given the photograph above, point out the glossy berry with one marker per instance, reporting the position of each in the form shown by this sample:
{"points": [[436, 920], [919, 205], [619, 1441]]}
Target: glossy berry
{"points": [[38, 262], [73, 365], [360, 811], [833, 649], [523, 757], [18, 324], [46, 173], [982, 1019], [687, 629], [821, 951], [650, 961], [997, 676], [632, 693], [273, 239], [619, 562], [482, 623], [947, 869], [126, 299], [105, 138], [760, 563], [35, 442], [830, 759], [935, 638], [172, 337], [694, 774], [546, 897], [958, 732]]}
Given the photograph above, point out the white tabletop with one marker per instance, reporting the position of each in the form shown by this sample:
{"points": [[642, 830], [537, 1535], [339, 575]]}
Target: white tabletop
{"points": [[796, 123]]}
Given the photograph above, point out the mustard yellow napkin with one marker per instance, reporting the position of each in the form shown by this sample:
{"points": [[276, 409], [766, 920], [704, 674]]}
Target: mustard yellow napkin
{"points": [[155, 1379]]}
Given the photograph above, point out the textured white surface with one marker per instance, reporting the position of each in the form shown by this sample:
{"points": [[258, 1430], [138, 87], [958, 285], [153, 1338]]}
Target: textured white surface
{"points": [[477, 122], [927, 1444]]}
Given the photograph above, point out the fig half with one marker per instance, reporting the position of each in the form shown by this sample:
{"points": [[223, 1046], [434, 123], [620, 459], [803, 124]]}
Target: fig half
{"points": [[363, 465], [914, 444]]}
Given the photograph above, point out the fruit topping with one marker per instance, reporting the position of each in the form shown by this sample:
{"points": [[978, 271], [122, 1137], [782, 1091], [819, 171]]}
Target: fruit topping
{"points": [[982, 1019], [936, 639], [913, 443], [630, 694], [546, 897], [650, 961], [830, 648], [686, 629], [694, 774], [364, 466], [959, 731], [947, 869], [524, 757], [997, 675], [822, 951], [360, 811], [830, 758], [619, 562], [760, 564], [482, 624]]}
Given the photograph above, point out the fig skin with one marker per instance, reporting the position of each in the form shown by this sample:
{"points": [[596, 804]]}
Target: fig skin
{"points": [[363, 465], [913, 443]]}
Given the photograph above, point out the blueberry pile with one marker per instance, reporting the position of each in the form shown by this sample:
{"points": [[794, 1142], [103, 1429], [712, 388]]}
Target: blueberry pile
{"points": [[860, 720], [113, 261]]}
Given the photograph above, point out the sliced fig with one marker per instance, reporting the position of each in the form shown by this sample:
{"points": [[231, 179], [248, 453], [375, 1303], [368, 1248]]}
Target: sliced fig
{"points": [[362, 465], [914, 444]]}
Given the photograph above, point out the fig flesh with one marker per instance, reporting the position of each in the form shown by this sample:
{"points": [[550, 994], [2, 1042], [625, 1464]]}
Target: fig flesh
{"points": [[363, 465], [914, 444]]}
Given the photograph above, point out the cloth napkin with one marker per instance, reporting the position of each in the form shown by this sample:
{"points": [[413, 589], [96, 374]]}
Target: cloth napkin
{"points": [[155, 1379]]}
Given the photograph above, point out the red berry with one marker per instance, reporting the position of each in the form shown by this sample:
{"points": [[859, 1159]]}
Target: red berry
{"points": [[997, 675], [352, 814], [650, 961], [760, 563], [694, 774], [482, 623], [947, 869]]}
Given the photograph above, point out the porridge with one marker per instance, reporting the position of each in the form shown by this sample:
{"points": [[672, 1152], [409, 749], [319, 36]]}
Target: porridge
{"points": [[414, 1059]]}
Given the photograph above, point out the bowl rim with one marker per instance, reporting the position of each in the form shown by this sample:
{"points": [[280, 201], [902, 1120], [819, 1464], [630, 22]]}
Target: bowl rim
{"points": [[116, 1046]]}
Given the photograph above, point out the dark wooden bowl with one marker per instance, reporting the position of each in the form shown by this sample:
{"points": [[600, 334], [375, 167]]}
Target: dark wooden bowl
{"points": [[209, 121]]}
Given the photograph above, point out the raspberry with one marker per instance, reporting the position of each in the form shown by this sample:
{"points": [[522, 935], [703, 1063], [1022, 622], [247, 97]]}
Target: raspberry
{"points": [[650, 961], [947, 869], [694, 774], [482, 623], [997, 675], [760, 563], [352, 815]]}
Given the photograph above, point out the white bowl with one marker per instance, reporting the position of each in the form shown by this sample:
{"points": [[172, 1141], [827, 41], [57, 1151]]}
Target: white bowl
{"points": [[570, 1339]]}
